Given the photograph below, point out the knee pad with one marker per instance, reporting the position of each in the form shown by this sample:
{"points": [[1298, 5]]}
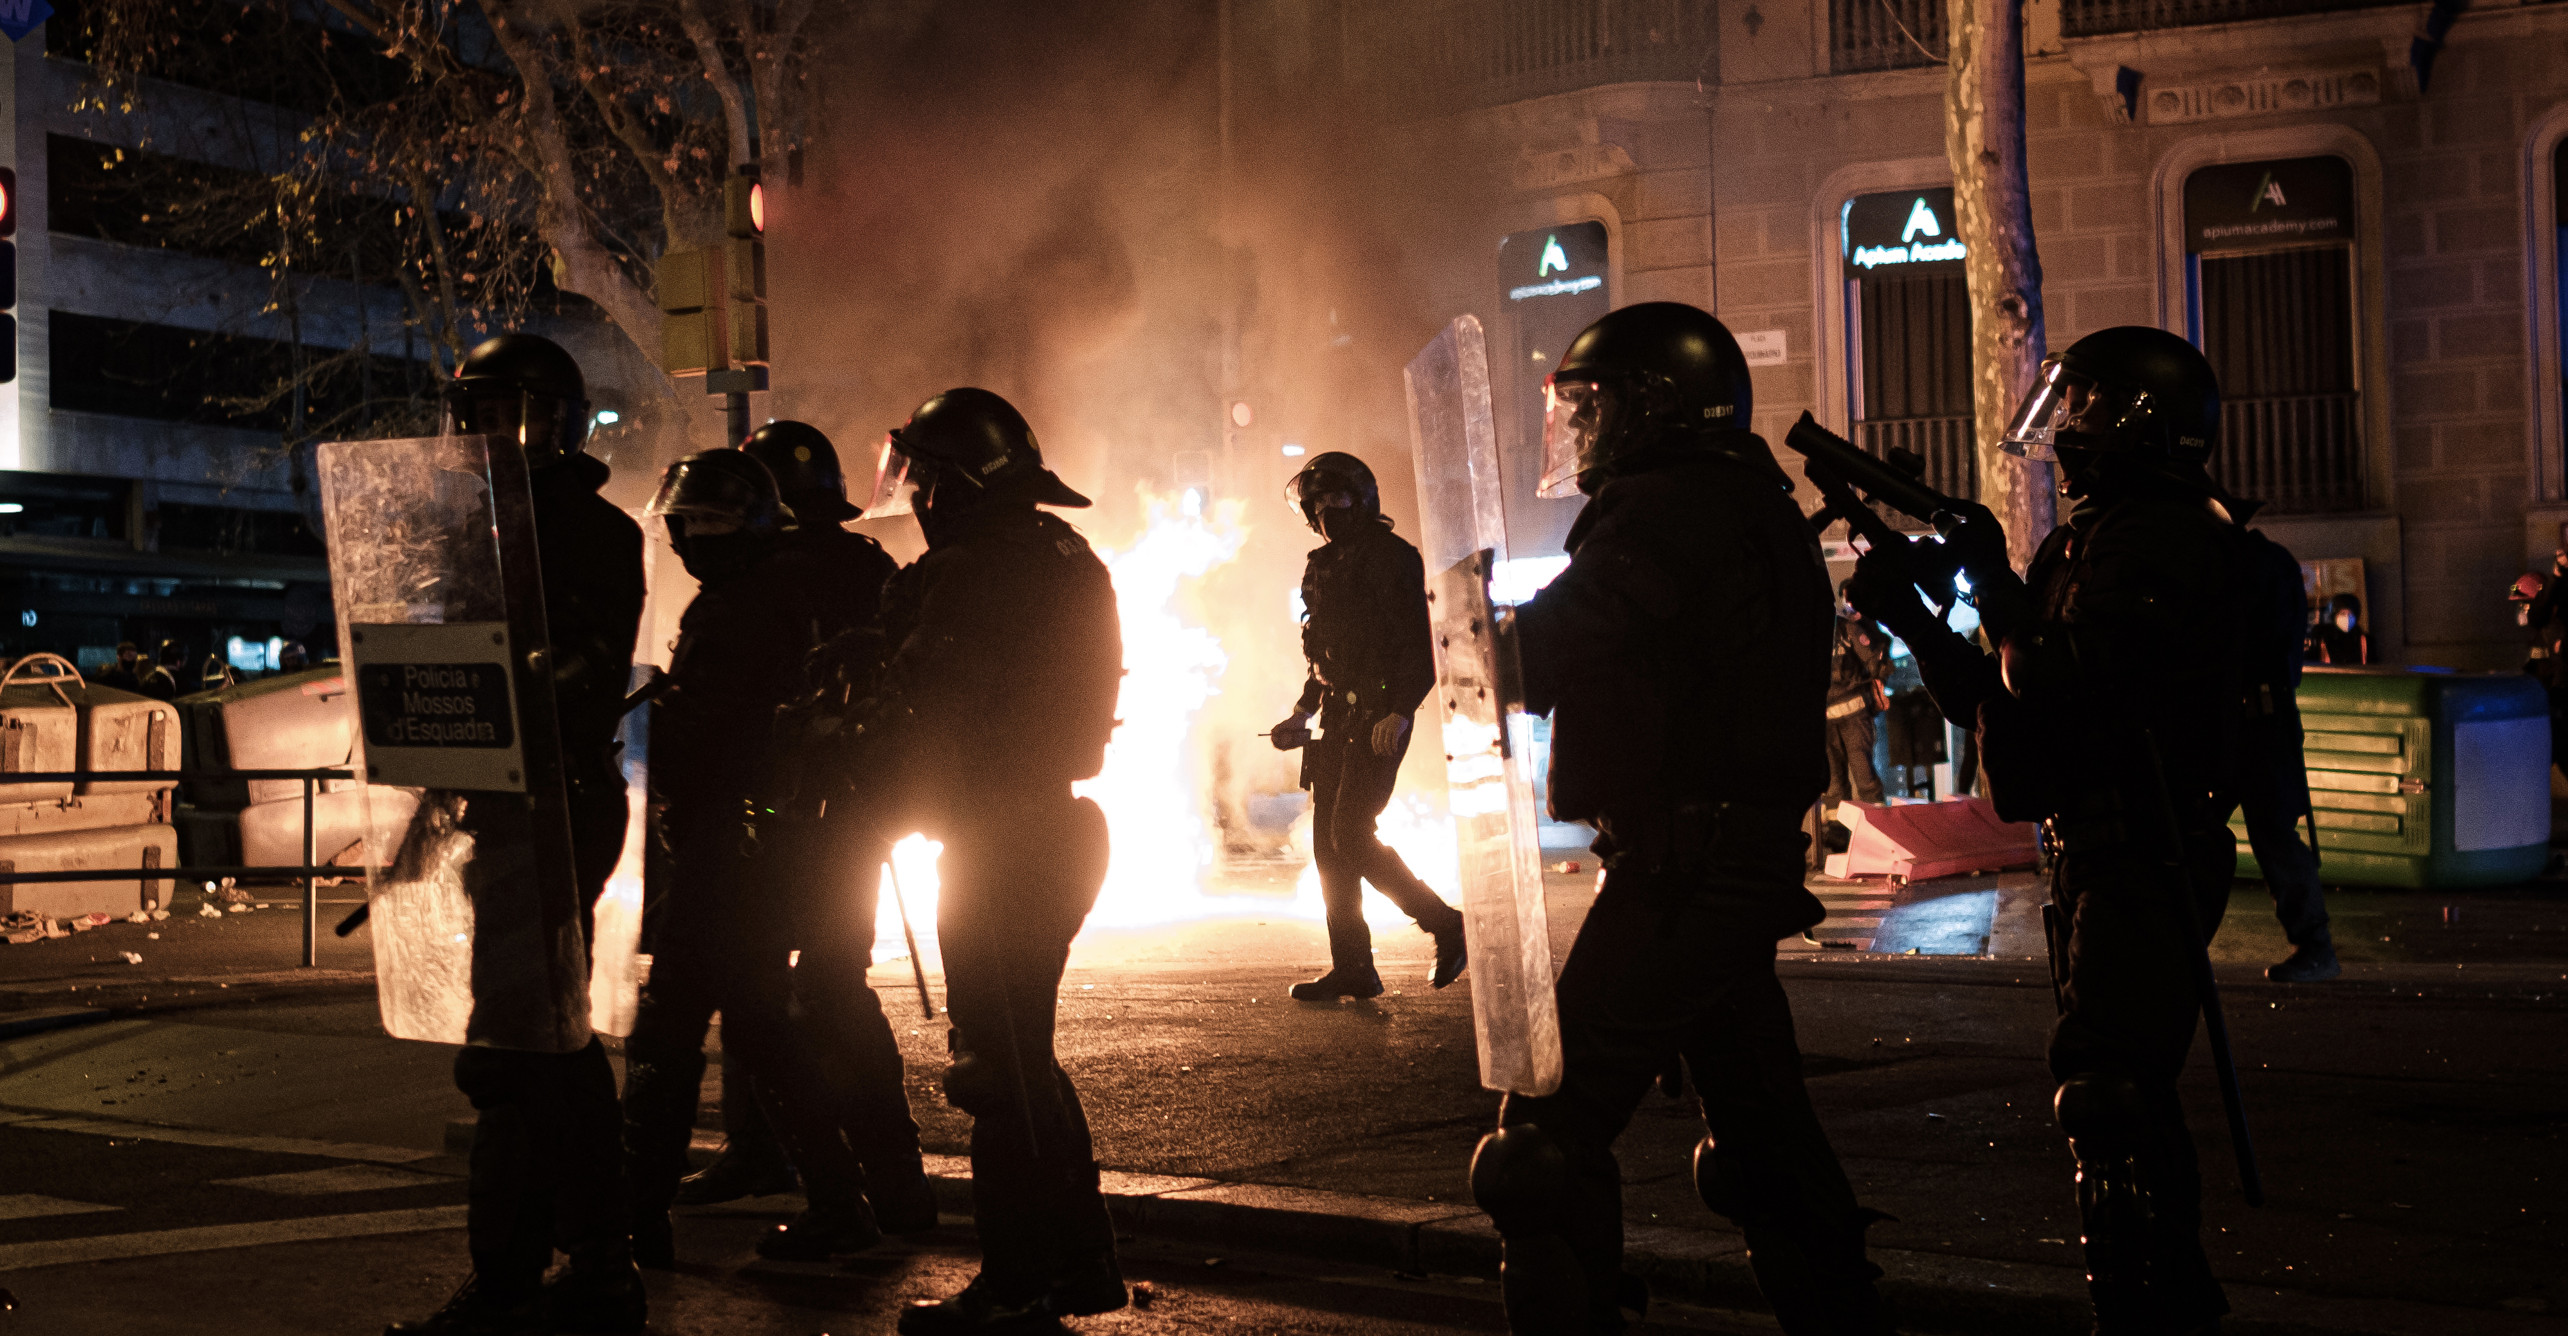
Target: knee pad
{"points": [[2102, 1113], [1520, 1176], [976, 1085]]}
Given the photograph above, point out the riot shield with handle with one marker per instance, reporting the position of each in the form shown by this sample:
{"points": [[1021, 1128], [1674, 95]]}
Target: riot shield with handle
{"points": [[1487, 735], [471, 895]]}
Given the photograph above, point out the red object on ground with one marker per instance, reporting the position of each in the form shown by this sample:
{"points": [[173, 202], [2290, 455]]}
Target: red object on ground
{"points": [[1919, 841]]}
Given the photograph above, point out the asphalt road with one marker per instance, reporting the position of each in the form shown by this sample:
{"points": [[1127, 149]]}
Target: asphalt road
{"points": [[2409, 1118]]}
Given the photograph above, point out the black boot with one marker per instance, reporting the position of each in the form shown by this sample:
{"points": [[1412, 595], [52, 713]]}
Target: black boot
{"points": [[820, 1233], [1450, 956], [479, 1310], [903, 1197], [2314, 963], [982, 1306], [1359, 983], [735, 1174], [597, 1298], [1089, 1286]]}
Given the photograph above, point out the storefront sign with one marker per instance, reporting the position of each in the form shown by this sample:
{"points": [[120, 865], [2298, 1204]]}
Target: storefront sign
{"points": [[1901, 231], [1553, 261], [2241, 206]]}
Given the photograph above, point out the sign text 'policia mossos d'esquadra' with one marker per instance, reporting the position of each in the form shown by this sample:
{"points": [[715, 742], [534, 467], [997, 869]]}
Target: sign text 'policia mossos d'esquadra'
{"points": [[1901, 230], [436, 705]]}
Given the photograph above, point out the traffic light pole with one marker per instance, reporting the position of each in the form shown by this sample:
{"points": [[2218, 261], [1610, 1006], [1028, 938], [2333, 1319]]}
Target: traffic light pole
{"points": [[735, 386]]}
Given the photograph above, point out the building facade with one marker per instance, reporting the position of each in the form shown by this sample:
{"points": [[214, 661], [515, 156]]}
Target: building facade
{"points": [[2358, 218]]}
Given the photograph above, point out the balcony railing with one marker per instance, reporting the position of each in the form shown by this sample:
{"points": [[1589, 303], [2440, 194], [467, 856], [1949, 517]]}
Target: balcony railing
{"points": [[1477, 53], [1952, 467], [2093, 18], [1885, 34], [2295, 453]]}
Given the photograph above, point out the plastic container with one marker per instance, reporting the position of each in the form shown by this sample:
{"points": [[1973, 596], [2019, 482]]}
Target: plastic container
{"points": [[2424, 779], [299, 721], [120, 730], [109, 847], [39, 725]]}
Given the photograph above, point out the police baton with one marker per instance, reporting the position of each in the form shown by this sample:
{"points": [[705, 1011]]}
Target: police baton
{"points": [[2251, 1184]]}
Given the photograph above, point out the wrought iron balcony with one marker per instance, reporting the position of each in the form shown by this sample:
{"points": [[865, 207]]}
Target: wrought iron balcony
{"points": [[1477, 53], [1952, 467], [2095, 18], [2296, 453], [1884, 34]]}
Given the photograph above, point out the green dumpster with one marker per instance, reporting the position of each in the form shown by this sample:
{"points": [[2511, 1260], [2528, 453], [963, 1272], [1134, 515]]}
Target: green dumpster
{"points": [[2424, 779]]}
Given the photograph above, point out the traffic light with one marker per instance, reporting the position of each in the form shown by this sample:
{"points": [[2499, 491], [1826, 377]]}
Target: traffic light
{"points": [[744, 267], [691, 342], [8, 273]]}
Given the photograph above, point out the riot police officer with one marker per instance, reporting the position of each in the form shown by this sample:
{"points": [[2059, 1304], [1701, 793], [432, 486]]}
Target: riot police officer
{"points": [[1683, 657], [830, 874], [2112, 712], [544, 1168], [721, 940], [1856, 667], [1364, 631], [999, 696]]}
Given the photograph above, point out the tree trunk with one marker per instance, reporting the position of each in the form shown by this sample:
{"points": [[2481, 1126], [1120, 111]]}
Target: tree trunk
{"points": [[1993, 208]]}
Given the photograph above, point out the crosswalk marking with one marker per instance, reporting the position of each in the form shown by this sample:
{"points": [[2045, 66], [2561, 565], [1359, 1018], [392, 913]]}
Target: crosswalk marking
{"points": [[323, 1182], [195, 1136], [212, 1238], [30, 1206]]}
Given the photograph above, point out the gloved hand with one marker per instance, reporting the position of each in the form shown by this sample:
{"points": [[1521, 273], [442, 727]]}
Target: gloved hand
{"points": [[1979, 541], [1883, 590], [1387, 732], [2527, 587], [1294, 732]]}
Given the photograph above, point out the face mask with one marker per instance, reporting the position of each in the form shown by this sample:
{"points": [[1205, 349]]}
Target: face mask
{"points": [[1337, 522], [714, 558], [2345, 621]]}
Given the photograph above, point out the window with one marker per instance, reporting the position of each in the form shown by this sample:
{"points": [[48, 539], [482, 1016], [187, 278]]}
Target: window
{"points": [[2559, 270], [1908, 313], [2271, 279], [130, 368]]}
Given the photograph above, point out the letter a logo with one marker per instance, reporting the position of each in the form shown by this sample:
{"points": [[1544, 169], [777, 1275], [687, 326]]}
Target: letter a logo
{"points": [[1920, 219], [2268, 191], [1554, 259]]}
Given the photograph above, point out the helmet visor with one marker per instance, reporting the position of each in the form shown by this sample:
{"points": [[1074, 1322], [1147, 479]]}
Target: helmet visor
{"points": [[895, 482], [2070, 403], [710, 499], [1573, 421], [538, 422], [1315, 489]]}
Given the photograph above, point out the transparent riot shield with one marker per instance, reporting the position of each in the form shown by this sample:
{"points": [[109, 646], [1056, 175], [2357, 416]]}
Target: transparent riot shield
{"points": [[472, 901], [1462, 534]]}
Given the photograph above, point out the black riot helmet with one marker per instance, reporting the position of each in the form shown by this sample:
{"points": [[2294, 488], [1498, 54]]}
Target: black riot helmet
{"points": [[1337, 474], [2128, 390], [526, 388], [718, 492], [805, 466], [1644, 381], [963, 446]]}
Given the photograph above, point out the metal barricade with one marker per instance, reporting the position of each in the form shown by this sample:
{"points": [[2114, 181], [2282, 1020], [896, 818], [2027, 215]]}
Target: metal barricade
{"points": [[310, 872]]}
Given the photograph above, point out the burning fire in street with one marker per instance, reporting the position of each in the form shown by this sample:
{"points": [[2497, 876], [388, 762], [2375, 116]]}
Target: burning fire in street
{"points": [[1166, 864]]}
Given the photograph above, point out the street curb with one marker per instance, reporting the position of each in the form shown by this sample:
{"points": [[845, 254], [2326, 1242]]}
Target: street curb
{"points": [[21, 1026], [1932, 1292]]}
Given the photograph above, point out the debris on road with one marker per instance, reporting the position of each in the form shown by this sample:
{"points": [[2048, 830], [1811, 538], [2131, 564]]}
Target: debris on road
{"points": [[131, 957]]}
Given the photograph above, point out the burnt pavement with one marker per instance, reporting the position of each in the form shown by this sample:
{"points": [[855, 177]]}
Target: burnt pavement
{"points": [[2408, 1117]]}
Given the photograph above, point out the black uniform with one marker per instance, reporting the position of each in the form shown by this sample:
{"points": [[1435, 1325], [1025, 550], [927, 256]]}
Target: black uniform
{"points": [[1683, 657], [720, 940], [545, 1171], [834, 879], [1855, 664], [2273, 779], [1364, 597], [1000, 695], [2134, 666]]}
